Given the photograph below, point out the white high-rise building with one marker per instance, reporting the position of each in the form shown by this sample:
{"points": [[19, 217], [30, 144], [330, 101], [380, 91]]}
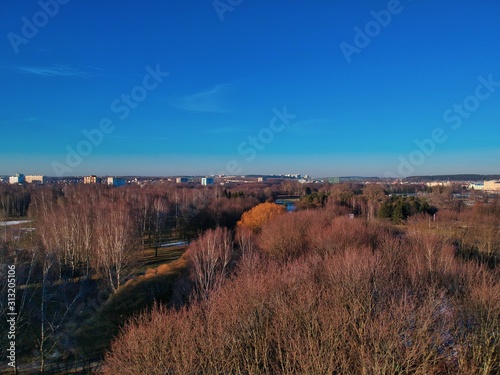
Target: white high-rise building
{"points": [[113, 181], [18, 178], [207, 181]]}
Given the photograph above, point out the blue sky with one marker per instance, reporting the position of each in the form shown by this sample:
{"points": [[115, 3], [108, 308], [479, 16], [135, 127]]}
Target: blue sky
{"points": [[322, 87]]}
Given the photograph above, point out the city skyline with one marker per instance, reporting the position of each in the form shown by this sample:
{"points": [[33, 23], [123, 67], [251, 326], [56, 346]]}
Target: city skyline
{"points": [[388, 89]]}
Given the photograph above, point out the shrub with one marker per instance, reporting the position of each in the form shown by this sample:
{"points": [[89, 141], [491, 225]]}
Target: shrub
{"points": [[260, 214]]}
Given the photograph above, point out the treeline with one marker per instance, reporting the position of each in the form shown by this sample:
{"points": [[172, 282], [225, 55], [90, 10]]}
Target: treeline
{"points": [[88, 227], [371, 201], [398, 208], [14, 200], [313, 292], [197, 207]]}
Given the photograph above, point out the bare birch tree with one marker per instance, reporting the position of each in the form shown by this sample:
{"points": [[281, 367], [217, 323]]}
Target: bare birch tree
{"points": [[209, 259], [115, 243], [159, 216]]}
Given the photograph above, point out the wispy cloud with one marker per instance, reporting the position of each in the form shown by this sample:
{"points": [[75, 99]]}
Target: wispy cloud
{"points": [[138, 138], [19, 120], [213, 100], [311, 127], [54, 71], [226, 130]]}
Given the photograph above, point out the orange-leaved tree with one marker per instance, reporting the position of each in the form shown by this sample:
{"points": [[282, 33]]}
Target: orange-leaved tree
{"points": [[257, 216]]}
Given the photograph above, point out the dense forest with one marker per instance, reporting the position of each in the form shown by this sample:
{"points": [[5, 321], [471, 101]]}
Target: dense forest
{"points": [[173, 278]]}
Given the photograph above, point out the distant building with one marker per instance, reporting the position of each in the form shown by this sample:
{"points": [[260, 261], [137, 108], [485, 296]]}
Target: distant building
{"points": [[261, 179], [493, 185], [92, 180], [18, 178], [476, 186], [181, 180], [438, 183], [113, 181], [35, 179], [207, 181]]}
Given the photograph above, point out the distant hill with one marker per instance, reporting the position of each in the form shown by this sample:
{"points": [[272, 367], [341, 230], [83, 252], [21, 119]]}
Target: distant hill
{"points": [[453, 177]]}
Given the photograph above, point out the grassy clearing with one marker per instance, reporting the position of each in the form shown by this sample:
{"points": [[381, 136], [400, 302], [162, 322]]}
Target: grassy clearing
{"points": [[152, 284], [148, 260]]}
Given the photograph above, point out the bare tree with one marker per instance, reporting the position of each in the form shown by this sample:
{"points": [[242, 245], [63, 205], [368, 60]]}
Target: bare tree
{"points": [[374, 195], [87, 228], [159, 216], [142, 210], [115, 243], [246, 241], [209, 258], [57, 302]]}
